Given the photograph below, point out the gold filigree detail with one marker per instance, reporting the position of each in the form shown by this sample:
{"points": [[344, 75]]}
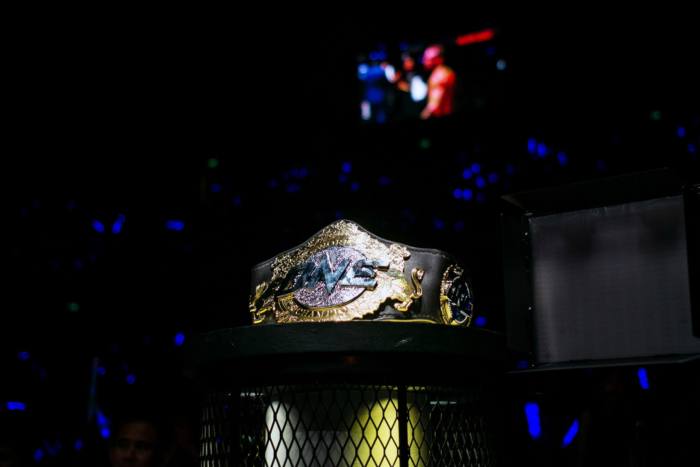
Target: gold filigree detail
{"points": [[391, 283], [451, 274], [410, 296], [259, 309]]}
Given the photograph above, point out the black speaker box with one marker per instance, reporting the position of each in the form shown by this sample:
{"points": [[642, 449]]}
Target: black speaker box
{"points": [[604, 272]]}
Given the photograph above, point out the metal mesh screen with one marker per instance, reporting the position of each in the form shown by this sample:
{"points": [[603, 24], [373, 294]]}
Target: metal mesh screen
{"points": [[216, 440], [344, 425]]}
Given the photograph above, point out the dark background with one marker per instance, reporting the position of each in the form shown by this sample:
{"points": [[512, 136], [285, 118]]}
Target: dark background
{"points": [[245, 128]]}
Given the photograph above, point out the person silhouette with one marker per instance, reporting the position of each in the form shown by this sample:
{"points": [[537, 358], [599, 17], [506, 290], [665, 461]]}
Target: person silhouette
{"points": [[441, 83], [137, 443]]}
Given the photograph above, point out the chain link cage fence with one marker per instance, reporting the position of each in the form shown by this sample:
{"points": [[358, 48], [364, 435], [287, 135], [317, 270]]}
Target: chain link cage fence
{"points": [[347, 425]]}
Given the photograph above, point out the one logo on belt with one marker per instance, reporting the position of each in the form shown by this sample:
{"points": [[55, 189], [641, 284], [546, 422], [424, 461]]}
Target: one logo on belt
{"points": [[332, 277]]}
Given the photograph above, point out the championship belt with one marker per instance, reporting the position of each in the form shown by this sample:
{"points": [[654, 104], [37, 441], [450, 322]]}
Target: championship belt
{"points": [[346, 273]]}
